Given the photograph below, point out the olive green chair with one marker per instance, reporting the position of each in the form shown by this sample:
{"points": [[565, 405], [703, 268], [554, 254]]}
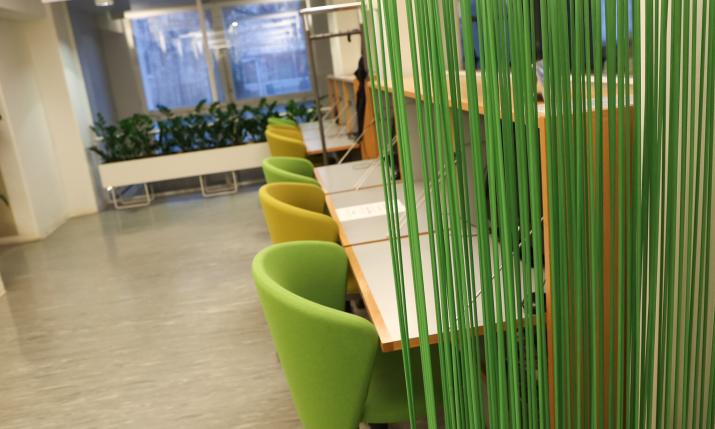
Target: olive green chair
{"points": [[288, 169], [285, 143], [336, 374]]}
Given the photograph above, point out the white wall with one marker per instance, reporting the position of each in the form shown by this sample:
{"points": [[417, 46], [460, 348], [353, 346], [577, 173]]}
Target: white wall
{"points": [[45, 134], [345, 55], [21, 9], [65, 98], [28, 163]]}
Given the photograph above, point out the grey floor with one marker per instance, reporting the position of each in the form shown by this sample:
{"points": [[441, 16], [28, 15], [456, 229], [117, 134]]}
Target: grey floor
{"points": [[141, 319]]}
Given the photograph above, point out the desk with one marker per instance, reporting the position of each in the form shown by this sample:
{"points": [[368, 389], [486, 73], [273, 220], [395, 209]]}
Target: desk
{"points": [[344, 177], [371, 264], [336, 140], [373, 228]]}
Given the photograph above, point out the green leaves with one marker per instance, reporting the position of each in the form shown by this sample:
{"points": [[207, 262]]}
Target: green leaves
{"points": [[204, 127], [131, 138], [300, 112]]}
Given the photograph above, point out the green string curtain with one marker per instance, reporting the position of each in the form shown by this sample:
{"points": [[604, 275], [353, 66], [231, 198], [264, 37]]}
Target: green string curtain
{"points": [[568, 279]]}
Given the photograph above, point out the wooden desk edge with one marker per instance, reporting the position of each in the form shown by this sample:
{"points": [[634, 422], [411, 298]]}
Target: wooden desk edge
{"points": [[372, 309], [333, 213], [316, 173], [331, 149], [321, 182]]}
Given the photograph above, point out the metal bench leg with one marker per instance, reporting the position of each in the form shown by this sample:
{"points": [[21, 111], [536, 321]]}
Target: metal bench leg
{"points": [[121, 204], [231, 186]]}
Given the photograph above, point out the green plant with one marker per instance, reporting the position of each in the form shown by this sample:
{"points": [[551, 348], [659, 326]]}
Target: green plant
{"points": [[226, 127], [218, 125], [300, 111], [131, 138], [182, 133], [256, 119]]}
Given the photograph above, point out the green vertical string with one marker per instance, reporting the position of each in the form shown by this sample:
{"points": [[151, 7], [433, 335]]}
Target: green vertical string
{"points": [[649, 104], [461, 229], [656, 213], [506, 206], [442, 158], [487, 44], [682, 143], [597, 278], [424, 137], [705, 216], [687, 214], [654, 284], [578, 215], [480, 197], [694, 201], [611, 71], [394, 49], [525, 118], [387, 162], [636, 263], [623, 143], [671, 206]]}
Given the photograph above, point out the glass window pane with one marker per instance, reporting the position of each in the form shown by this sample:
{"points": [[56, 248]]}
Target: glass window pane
{"points": [[171, 57], [267, 49]]}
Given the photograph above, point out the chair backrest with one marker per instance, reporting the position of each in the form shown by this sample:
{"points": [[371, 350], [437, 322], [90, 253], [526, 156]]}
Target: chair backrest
{"points": [[288, 169], [285, 142], [287, 131], [327, 355], [282, 122], [295, 211]]}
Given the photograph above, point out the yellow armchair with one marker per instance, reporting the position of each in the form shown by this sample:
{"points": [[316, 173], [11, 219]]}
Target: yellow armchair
{"points": [[284, 142], [295, 211]]}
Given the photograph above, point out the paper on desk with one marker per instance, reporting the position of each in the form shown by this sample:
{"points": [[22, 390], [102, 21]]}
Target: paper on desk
{"points": [[364, 211]]}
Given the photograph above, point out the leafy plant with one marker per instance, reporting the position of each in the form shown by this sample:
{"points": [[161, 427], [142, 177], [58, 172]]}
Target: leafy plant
{"points": [[182, 133], [300, 111], [204, 127], [131, 138], [226, 127], [256, 119]]}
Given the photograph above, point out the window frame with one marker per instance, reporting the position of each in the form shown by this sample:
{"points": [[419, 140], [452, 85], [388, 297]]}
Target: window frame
{"points": [[222, 65]]}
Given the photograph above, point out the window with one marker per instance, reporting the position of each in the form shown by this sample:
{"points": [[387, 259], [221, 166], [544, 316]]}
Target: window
{"points": [[267, 49], [259, 50], [171, 58]]}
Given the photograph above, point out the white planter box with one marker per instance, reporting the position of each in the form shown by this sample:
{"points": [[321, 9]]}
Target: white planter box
{"points": [[181, 165]]}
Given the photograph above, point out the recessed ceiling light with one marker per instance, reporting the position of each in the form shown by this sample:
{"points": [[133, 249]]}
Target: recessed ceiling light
{"points": [[104, 3]]}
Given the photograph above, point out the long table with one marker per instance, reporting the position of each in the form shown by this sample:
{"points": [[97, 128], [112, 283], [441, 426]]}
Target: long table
{"points": [[361, 214], [362, 227], [349, 176], [336, 138]]}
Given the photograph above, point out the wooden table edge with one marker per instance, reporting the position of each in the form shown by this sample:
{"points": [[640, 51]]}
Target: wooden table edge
{"points": [[334, 215], [332, 149], [372, 309], [321, 182]]}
